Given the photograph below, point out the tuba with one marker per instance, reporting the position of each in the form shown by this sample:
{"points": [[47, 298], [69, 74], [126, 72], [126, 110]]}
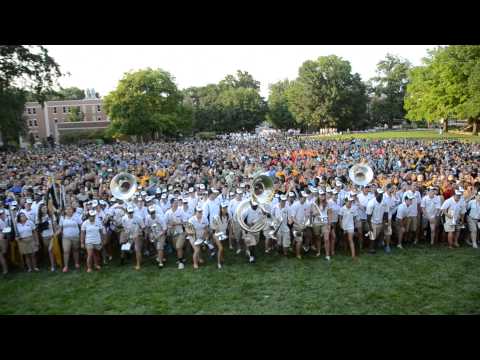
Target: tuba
{"points": [[360, 174], [123, 186], [262, 193]]}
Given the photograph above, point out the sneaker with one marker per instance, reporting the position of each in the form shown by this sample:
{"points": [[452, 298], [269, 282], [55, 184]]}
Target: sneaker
{"points": [[299, 257], [400, 246], [318, 254], [475, 246], [238, 251], [306, 248], [267, 251], [52, 269], [65, 269], [181, 266], [219, 266], [36, 269], [468, 242], [327, 258], [248, 253], [89, 270], [372, 251], [387, 249], [251, 260], [212, 254], [160, 265]]}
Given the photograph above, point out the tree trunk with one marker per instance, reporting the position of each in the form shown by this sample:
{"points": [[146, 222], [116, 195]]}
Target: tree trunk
{"points": [[445, 125], [475, 127]]}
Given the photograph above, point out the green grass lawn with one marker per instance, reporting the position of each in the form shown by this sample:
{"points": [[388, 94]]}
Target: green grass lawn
{"points": [[419, 280], [408, 134]]}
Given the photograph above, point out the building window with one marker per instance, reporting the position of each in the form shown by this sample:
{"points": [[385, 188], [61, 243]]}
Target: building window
{"points": [[30, 123], [98, 108], [36, 136], [69, 109], [56, 120], [99, 119], [34, 111], [54, 109], [35, 122], [64, 109], [29, 111]]}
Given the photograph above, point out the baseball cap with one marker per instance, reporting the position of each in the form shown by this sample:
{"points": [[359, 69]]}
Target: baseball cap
{"points": [[158, 191], [321, 192], [329, 189], [92, 213], [199, 208], [380, 190], [94, 203], [239, 191], [457, 192], [2, 211], [291, 194], [130, 209], [202, 187], [29, 201], [191, 190], [215, 191], [338, 183], [164, 196], [283, 197], [151, 209], [334, 191], [185, 200], [143, 193], [304, 194], [253, 202], [232, 193]]}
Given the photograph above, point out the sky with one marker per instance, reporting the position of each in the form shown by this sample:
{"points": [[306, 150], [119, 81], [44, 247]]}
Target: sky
{"points": [[102, 66]]}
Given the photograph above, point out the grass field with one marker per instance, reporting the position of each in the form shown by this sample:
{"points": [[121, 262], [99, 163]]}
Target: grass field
{"points": [[409, 134], [413, 281]]}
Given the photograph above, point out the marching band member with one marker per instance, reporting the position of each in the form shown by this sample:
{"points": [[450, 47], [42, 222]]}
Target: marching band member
{"points": [[235, 236], [347, 215], [362, 201], [322, 216], [300, 213], [200, 227], [377, 216], [281, 215], [453, 211], [175, 231], [69, 228], [46, 227], [156, 230], [473, 218], [403, 220], [219, 226], [252, 216], [430, 206], [24, 232], [132, 228], [3, 241], [332, 202], [91, 239]]}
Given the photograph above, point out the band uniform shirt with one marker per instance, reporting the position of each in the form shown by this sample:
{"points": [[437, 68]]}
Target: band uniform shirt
{"points": [[132, 225], [300, 212], [402, 211], [252, 216], [92, 232], [199, 225], [71, 226], [159, 221], [454, 208], [174, 217], [392, 202], [413, 209], [431, 205], [332, 204], [474, 207], [25, 230], [362, 205], [348, 217], [282, 214], [232, 207], [377, 210]]}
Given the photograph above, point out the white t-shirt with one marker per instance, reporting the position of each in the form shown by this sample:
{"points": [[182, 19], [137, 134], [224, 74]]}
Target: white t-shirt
{"points": [[362, 204], [431, 205], [282, 214], [70, 226], [300, 212], [377, 210], [453, 208], [402, 211], [474, 207], [92, 232], [199, 226], [25, 230], [348, 217]]}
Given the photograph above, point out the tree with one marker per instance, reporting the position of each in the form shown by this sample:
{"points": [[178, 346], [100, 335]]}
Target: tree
{"points": [[446, 86], [70, 93], [75, 114], [389, 87], [242, 80], [327, 94], [278, 113], [146, 103], [23, 69]]}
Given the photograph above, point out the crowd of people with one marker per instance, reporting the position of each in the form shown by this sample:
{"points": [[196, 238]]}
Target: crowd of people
{"points": [[188, 193]]}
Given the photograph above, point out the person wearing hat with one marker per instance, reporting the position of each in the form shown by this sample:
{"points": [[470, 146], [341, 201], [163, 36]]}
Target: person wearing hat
{"points": [[69, 229], [454, 211], [91, 239], [165, 204], [473, 219], [156, 230], [252, 216], [322, 218], [332, 202], [175, 231], [132, 226], [219, 226], [300, 213], [361, 203], [402, 218], [291, 199], [235, 233], [378, 219], [347, 216], [282, 215], [3, 241], [430, 205], [200, 227], [192, 200], [24, 229]]}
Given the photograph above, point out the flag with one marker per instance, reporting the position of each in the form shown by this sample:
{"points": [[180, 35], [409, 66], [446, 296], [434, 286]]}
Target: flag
{"points": [[56, 250]]}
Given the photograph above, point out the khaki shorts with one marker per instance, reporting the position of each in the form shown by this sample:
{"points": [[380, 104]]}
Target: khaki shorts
{"points": [[322, 230], [251, 239], [361, 226], [178, 241], [3, 246], [237, 230], [160, 242], [413, 223], [94, 247], [448, 227], [47, 242], [377, 230], [284, 239], [70, 243], [26, 245]]}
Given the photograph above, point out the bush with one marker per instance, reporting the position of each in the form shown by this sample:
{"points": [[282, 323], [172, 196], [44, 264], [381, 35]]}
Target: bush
{"points": [[206, 135], [85, 137]]}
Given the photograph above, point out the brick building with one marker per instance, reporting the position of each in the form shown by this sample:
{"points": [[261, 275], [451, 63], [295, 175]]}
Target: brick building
{"points": [[52, 119]]}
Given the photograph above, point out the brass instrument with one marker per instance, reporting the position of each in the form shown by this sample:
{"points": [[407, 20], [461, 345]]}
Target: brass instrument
{"points": [[361, 174], [123, 186]]}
